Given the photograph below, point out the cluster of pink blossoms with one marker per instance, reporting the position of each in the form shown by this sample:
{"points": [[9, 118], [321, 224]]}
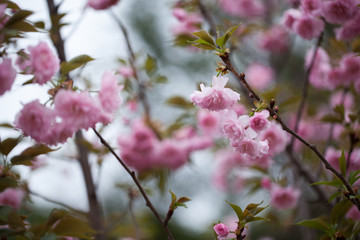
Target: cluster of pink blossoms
{"points": [[325, 76], [142, 149], [216, 97], [188, 22], [306, 21], [11, 197], [72, 111], [243, 8], [101, 4], [42, 62]]}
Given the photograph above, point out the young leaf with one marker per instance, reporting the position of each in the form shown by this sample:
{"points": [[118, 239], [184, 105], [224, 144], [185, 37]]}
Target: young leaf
{"points": [[316, 223], [221, 42], [342, 163], [8, 144], [237, 210], [178, 101], [74, 63], [206, 37], [339, 210]]}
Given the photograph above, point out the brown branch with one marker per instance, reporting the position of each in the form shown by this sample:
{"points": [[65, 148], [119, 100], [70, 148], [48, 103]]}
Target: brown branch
{"points": [[138, 184], [95, 213], [306, 88], [241, 78], [141, 86]]}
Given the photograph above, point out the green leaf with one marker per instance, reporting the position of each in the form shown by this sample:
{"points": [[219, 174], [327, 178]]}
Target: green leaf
{"points": [[354, 176], [40, 24], [340, 110], [7, 182], [8, 144], [334, 183], [339, 210], [9, 216], [237, 210], [183, 200], [342, 163], [180, 102], [6, 125], [173, 197], [334, 195], [161, 79], [204, 35], [221, 42], [316, 223], [203, 46], [331, 118], [22, 26], [28, 154], [75, 63], [18, 16], [150, 64], [74, 227]]}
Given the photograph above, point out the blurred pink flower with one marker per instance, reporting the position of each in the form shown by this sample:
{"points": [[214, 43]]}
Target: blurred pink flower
{"points": [[209, 122], [320, 69], [308, 26], [44, 63], [101, 4], [353, 213], [35, 120], [243, 8], [11, 197], [350, 29], [313, 7], [171, 154], [275, 40], [338, 11], [276, 137], [109, 93], [290, 16], [7, 75], [259, 76], [216, 97], [284, 198], [126, 71], [78, 110], [266, 183]]}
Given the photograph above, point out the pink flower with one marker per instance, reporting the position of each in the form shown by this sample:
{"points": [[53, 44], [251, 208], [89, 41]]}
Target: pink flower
{"points": [[209, 122], [308, 27], [275, 40], [233, 127], [252, 148], [259, 121], [126, 71], [35, 120], [78, 110], [350, 66], [44, 63], [290, 16], [101, 4], [266, 183], [312, 6], [338, 11], [353, 213], [109, 93], [11, 197], [138, 148], [259, 76], [180, 14], [221, 230], [243, 8], [276, 137], [349, 29], [320, 69], [170, 154], [188, 22], [7, 75], [3, 17], [217, 97], [284, 198]]}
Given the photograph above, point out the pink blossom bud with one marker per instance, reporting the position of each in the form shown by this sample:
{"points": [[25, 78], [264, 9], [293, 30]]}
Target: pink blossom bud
{"points": [[7, 75], [221, 230], [101, 4]]}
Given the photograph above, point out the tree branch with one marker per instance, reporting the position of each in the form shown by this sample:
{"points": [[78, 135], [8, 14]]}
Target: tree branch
{"points": [[138, 184], [241, 78], [95, 214]]}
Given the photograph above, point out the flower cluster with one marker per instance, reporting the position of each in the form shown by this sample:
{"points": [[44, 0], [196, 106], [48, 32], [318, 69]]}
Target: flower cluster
{"points": [[72, 111], [41, 62]]}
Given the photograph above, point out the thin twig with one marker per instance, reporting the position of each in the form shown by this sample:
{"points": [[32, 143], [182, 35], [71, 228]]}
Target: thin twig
{"points": [[141, 86], [306, 88], [54, 201], [131, 195], [241, 78], [138, 184]]}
